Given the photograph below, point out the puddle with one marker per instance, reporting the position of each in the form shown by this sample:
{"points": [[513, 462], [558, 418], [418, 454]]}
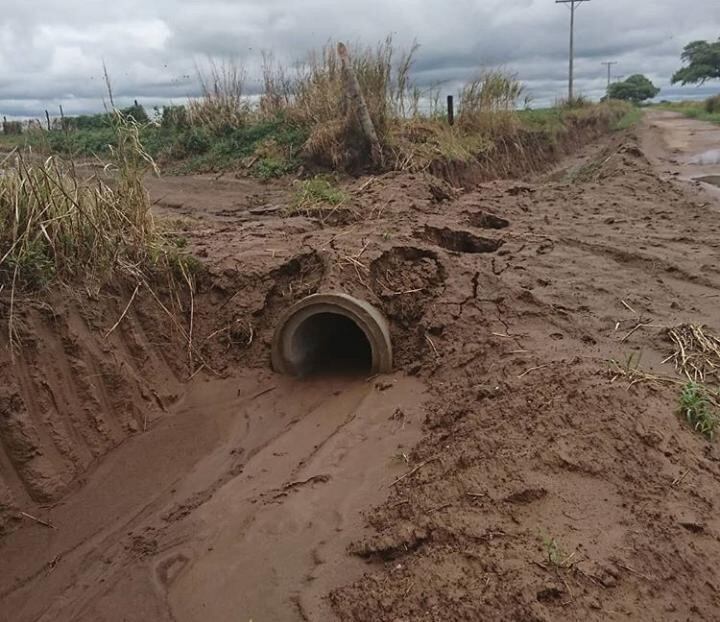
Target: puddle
{"points": [[709, 179], [711, 156]]}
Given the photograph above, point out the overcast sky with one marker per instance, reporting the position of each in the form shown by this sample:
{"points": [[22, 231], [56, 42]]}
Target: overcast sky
{"points": [[52, 54]]}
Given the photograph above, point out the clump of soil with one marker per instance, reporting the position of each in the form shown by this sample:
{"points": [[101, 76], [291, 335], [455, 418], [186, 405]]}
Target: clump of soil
{"points": [[407, 280]]}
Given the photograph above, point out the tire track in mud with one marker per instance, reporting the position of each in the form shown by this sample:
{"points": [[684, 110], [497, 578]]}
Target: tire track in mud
{"points": [[262, 515], [254, 477], [650, 265], [69, 397]]}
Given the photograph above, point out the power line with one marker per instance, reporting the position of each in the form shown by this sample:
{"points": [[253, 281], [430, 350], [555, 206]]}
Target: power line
{"points": [[609, 64], [572, 4]]}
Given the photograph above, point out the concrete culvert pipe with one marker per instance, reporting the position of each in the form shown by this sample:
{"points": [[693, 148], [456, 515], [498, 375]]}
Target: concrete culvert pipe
{"points": [[331, 332]]}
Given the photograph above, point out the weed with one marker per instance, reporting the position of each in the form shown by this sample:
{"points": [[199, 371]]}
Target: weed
{"points": [[315, 193], [272, 166], [699, 407], [306, 113], [704, 111], [489, 100], [555, 555], [223, 104]]}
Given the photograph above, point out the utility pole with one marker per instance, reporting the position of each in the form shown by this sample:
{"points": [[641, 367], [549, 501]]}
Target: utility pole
{"points": [[609, 64], [572, 4]]}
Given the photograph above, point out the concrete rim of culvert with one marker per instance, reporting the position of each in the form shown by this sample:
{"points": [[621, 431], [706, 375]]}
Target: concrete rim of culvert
{"points": [[369, 319]]}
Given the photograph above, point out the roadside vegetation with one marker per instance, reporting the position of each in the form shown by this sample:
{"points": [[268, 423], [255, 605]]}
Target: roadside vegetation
{"points": [[696, 357], [701, 63], [317, 193], [304, 115], [84, 228], [708, 110]]}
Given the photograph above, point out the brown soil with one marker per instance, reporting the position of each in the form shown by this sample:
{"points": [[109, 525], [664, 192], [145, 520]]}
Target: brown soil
{"points": [[503, 473]]}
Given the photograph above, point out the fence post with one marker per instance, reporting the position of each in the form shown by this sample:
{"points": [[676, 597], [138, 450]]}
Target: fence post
{"points": [[356, 96], [451, 110], [47, 116]]}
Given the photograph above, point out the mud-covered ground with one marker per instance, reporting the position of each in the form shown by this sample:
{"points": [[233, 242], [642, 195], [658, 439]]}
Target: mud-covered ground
{"points": [[506, 471]]}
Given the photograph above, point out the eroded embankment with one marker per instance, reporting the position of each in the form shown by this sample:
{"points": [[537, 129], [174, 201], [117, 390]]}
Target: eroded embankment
{"points": [[70, 392], [526, 151]]}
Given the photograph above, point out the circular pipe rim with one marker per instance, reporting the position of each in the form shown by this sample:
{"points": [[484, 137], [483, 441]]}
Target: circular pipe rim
{"points": [[367, 317]]}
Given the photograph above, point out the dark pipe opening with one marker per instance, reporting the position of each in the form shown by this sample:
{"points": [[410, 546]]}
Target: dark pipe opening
{"points": [[330, 343]]}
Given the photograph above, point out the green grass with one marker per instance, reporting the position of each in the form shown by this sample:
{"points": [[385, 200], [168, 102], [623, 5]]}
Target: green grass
{"points": [[555, 555], [184, 150], [315, 193], [629, 119], [692, 109], [542, 118], [699, 408]]}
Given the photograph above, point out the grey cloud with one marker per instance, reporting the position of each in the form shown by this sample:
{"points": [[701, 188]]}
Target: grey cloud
{"points": [[50, 57]]}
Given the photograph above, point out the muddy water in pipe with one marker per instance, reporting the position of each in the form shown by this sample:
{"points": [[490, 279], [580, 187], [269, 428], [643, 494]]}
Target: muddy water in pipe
{"points": [[331, 332]]}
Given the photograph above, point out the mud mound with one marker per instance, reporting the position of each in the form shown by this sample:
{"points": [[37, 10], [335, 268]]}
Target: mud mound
{"points": [[471, 519], [459, 241], [241, 306], [297, 278], [406, 279], [616, 160]]}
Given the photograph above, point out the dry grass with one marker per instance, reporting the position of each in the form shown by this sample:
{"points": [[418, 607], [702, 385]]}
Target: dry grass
{"points": [[488, 102], [410, 123], [316, 98], [696, 354], [58, 225], [223, 103]]}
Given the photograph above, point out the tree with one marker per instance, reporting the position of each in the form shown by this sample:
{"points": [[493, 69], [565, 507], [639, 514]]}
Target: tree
{"points": [[636, 88], [703, 63]]}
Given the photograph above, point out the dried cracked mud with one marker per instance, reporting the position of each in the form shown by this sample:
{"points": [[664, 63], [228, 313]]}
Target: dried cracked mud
{"points": [[503, 472]]}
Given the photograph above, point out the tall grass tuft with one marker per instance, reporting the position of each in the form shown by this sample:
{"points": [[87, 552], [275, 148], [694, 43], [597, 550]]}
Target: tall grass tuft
{"points": [[58, 225], [223, 103], [316, 98], [489, 100]]}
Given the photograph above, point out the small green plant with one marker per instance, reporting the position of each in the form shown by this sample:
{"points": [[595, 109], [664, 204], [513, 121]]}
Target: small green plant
{"points": [[555, 555], [317, 192], [271, 167], [699, 408]]}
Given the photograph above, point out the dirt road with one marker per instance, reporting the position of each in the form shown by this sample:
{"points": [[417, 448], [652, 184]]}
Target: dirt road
{"points": [[540, 486], [685, 147]]}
